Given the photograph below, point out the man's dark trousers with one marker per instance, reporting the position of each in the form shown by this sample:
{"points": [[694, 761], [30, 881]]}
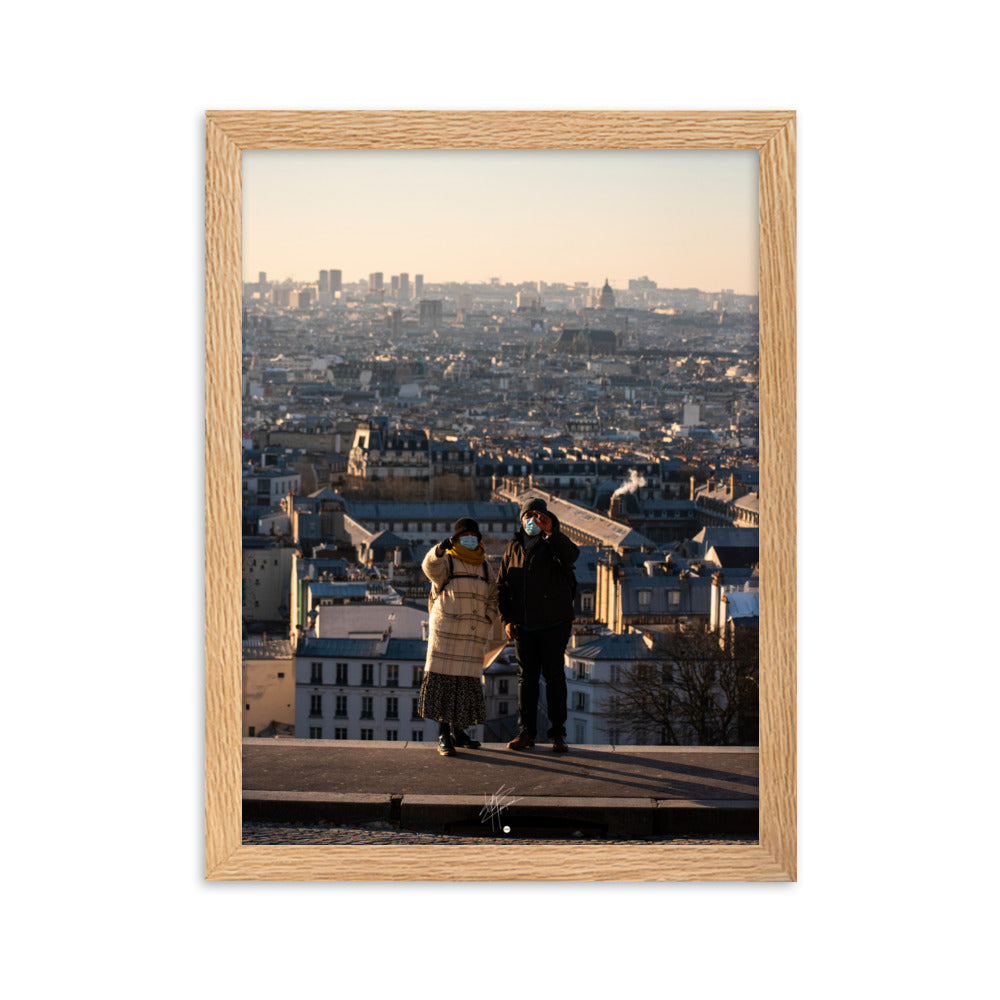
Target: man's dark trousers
{"points": [[540, 653]]}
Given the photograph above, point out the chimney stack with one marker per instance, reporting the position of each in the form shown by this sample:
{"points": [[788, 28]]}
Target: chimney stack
{"points": [[714, 608]]}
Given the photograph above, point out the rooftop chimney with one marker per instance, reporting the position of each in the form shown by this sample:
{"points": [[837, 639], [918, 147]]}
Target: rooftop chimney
{"points": [[714, 607]]}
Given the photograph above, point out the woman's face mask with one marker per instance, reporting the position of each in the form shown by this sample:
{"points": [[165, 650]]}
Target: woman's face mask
{"points": [[530, 527], [469, 541]]}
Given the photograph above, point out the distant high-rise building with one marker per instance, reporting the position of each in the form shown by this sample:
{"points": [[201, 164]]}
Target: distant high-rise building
{"points": [[397, 323], [642, 284], [431, 312], [375, 282], [404, 286], [394, 285], [336, 283], [262, 281], [418, 285], [324, 281]]}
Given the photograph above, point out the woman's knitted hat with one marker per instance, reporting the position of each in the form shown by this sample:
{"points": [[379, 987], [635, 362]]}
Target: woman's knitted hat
{"points": [[465, 525]]}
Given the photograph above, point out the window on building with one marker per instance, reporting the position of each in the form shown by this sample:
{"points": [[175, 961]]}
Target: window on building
{"points": [[503, 686], [674, 598], [368, 734], [417, 736], [315, 704], [392, 675], [367, 673], [415, 708], [614, 737], [504, 708], [340, 734], [418, 676], [315, 673], [580, 701], [366, 709], [342, 674], [581, 731], [392, 735], [587, 603], [315, 732], [645, 598], [341, 706], [252, 731], [392, 708]]}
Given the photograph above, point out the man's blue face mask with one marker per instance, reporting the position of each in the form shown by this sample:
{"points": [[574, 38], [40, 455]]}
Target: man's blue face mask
{"points": [[469, 541], [530, 527]]}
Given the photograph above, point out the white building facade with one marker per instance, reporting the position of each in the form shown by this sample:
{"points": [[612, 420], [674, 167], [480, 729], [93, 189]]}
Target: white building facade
{"points": [[592, 662], [361, 689]]}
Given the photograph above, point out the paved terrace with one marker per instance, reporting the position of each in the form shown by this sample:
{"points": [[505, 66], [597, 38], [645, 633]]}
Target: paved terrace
{"points": [[593, 791]]}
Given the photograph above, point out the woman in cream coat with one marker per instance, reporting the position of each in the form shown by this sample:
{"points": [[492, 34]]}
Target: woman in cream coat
{"points": [[464, 607]]}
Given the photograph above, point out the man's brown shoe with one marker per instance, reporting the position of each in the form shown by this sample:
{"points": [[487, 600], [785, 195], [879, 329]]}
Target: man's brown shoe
{"points": [[559, 744], [521, 742]]}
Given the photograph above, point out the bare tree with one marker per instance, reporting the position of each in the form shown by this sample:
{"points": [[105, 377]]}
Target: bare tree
{"points": [[690, 690]]}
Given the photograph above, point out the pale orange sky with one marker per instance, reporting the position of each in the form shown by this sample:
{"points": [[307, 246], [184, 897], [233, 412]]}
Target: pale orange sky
{"points": [[685, 218]]}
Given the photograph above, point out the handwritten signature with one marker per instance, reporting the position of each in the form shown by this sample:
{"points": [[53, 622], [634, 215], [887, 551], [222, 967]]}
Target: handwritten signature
{"points": [[495, 804]]}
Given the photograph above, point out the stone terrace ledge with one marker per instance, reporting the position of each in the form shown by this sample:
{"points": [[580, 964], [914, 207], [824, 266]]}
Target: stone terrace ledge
{"points": [[593, 791]]}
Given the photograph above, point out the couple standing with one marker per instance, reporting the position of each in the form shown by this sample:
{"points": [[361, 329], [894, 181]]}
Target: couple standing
{"points": [[533, 594]]}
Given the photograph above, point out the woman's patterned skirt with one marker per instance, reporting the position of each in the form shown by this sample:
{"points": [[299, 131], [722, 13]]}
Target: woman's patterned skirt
{"points": [[458, 700]]}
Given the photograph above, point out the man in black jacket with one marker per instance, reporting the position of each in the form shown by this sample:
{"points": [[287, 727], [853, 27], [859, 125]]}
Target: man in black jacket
{"points": [[536, 590]]}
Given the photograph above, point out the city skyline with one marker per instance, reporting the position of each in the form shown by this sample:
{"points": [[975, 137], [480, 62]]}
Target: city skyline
{"points": [[684, 218]]}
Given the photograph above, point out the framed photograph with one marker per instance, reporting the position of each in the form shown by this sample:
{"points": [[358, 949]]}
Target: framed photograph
{"points": [[235, 273]]}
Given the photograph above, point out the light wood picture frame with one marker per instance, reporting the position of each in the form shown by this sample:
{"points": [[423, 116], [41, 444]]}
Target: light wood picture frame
{"points": [[772, 134]]}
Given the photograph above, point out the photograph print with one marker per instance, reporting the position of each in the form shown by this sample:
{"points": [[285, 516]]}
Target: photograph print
{"points": [[500, 495]]}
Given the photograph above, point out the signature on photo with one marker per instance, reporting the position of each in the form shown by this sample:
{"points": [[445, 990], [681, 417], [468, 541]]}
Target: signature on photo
{"points": [[501, 799]]}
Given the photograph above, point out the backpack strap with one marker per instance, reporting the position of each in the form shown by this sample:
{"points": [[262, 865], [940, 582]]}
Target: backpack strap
{"points": [[451, 573]]}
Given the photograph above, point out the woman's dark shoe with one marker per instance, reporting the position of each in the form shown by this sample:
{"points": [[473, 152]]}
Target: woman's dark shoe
{"points": [[559, 744], [446, 745], [462, 739]]}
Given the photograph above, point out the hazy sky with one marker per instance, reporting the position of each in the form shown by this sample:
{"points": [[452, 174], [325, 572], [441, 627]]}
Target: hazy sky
{"points": [[685, 218]]}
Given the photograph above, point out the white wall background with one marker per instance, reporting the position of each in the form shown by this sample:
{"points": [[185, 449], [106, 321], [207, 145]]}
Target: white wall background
{"points": [[102, 270]]}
